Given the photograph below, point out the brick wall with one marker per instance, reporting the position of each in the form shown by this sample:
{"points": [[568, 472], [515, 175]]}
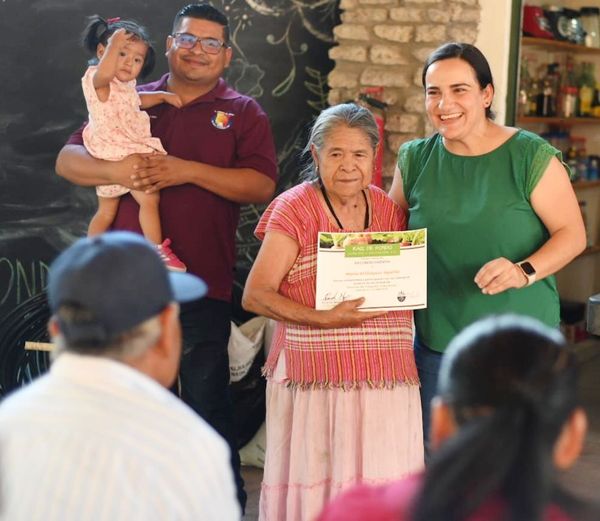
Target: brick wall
{"points": [[384, 43]]}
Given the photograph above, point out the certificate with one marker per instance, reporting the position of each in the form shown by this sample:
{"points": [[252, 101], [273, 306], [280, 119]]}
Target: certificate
{"points": [[388, 269]]}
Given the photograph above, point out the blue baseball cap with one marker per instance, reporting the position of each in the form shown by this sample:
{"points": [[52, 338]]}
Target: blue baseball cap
{"points": [[119, 279]]}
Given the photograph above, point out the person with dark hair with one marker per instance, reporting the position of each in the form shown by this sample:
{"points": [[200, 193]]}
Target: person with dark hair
{"points": [[220, 155], [342, 388], [498, 205], [100, 436], [117, 127], [505, 422], [203, 12]]}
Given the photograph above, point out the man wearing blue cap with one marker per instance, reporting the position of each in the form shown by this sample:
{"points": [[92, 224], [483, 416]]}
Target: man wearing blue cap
{"points": [[99, 437]]}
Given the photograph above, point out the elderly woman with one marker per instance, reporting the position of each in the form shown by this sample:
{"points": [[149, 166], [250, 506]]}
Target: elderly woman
{"points": [[500, 211], [343, 401]]}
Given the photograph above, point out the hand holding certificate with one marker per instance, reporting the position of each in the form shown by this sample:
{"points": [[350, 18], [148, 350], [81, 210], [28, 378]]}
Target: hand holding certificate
{"points": [[387, 269]]}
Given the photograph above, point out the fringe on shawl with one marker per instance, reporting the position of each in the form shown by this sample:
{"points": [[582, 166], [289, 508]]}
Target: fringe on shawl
{"points": [[374, 368]]}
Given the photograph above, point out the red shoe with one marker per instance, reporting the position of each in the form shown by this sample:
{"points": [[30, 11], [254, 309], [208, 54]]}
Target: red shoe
{"points": [[169, 258]]}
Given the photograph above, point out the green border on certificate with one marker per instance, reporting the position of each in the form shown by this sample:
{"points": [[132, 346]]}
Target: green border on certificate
{"points": [[388, 269]]}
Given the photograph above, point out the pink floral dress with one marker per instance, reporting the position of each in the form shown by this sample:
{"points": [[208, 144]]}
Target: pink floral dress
{"points": [[116, 127]]}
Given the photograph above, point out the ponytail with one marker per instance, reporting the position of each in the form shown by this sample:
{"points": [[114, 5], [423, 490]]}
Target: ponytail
{"points": [[469, 467], [511, 386], [95, 32], [98, 31], [549, 398]]}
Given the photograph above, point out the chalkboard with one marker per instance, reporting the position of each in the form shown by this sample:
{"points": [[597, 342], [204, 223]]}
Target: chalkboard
{"points": [[280, 57]]}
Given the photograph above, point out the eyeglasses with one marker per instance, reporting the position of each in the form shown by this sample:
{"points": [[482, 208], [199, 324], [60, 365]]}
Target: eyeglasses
{"points": [[189, 41]]}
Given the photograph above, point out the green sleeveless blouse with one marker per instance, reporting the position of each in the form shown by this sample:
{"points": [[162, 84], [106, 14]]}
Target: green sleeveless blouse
{"points": [[476, 208]]}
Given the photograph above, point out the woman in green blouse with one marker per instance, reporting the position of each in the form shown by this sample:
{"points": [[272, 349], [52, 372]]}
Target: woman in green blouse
{"points": [[500, 210]]}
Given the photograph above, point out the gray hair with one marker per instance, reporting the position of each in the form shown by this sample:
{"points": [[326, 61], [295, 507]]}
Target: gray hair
{"points": [[349, 115], [127, 345]]}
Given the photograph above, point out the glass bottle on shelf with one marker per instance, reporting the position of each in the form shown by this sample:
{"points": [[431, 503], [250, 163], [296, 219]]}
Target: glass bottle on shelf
{"points": [[587, 84], [555, 81], [596, 102], [569, 93], [533, 97], [568, 102], [523, 103], [572, 161], [577, 158], [570, 80], [546, 99], [524, 90]]}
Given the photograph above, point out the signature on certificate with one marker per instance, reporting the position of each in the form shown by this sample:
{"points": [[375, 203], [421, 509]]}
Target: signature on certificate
{"points": [[335, 296]]}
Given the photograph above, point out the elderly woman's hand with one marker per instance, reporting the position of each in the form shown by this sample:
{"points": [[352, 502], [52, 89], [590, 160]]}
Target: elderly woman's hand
{"points": [[347, 314], [498, 275]]}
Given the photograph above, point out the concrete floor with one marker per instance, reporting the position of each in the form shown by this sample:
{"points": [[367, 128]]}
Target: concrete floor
{"points": [[583, 479]]}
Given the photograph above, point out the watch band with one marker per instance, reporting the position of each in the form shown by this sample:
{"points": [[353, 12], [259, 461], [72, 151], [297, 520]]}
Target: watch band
{"points": [[528, 270]]}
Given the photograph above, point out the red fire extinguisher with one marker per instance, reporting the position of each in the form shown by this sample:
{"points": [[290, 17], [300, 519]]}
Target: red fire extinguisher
{"points": [[372, 98]]}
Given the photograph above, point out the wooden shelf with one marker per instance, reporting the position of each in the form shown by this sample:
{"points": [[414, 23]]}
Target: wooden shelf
{"points": [[563, 122], [558, 46], [576, 281], [584, 185]]}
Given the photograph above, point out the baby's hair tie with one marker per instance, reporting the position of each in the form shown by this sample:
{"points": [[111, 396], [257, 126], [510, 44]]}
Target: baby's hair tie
{"points": [[113, 20]]}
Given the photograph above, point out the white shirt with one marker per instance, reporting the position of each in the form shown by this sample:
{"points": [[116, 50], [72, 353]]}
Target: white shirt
{"points": [[94, 439]]}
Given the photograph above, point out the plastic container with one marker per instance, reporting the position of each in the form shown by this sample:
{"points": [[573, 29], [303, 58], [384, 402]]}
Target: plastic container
{"points": [[590, 20]]}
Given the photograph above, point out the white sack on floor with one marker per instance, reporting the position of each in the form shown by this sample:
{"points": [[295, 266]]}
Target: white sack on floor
{"points": [[253, 453], [245, 341]]}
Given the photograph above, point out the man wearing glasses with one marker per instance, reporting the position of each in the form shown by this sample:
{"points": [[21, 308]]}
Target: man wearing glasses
{"points": [[220, 155]]}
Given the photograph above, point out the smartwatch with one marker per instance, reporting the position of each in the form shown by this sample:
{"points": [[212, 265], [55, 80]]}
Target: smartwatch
{"points": [[528, 270]]}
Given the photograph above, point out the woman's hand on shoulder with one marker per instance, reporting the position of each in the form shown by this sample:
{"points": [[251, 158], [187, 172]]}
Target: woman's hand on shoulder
{"points": [[347, 314], [498, 275]]}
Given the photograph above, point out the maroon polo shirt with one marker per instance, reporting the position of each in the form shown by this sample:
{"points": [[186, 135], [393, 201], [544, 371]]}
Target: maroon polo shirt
{"points": [[223, 128]]}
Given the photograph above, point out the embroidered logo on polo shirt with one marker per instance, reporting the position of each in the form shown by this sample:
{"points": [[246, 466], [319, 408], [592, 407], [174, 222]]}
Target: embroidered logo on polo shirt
{"points": [[222, 120]]}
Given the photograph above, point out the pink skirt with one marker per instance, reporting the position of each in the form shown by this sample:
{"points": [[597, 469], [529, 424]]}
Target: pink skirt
{"points": [[322, 441]]}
